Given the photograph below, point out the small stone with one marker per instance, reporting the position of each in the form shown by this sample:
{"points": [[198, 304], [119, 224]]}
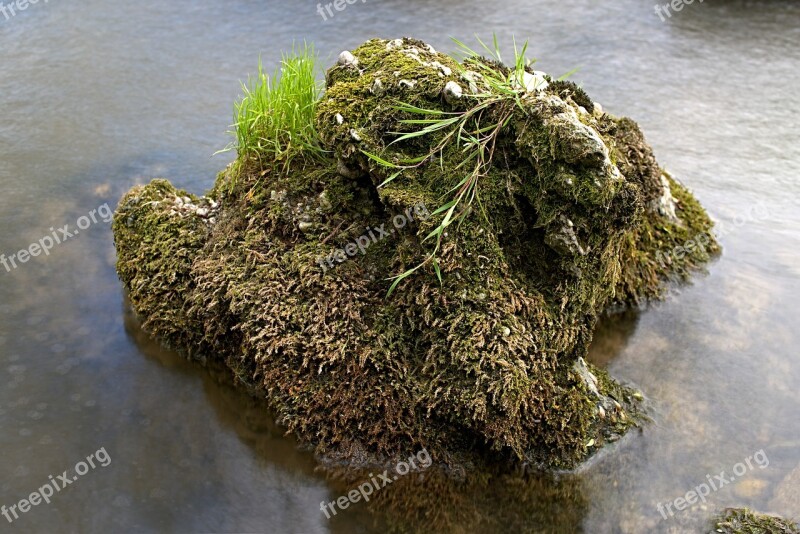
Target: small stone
{"points": [[344, 170], [377, 87], [305, 226], [443, 69], [586, 375], [534, 82], [409, 84], [598, 110], [470, 77], [202, 212], [347, 59], [355, 136], [393, 44], [339, 119], [452, 92], [666, 204], [506, 331], [561, 237], [324, 201]]}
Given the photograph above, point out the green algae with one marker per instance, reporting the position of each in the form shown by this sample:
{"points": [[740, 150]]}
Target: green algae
{"points": [[571, 218]]}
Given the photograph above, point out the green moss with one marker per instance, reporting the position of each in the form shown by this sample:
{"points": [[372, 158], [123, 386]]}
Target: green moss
{"points": [[487, 364], [744, 521], [162, 246]]}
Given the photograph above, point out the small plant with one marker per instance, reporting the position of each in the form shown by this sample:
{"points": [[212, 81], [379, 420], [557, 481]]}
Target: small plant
{"points": [[274, 120], [475, 131]]}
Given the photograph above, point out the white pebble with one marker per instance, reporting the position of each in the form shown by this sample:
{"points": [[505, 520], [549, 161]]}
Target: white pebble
{"points": [[377, 87], [598, 110], [394, 43], [347, 59], [452, 92]]}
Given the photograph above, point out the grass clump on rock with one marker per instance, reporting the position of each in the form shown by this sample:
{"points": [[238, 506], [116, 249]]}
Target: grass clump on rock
{"points": [[561, 210], [274, 120]]}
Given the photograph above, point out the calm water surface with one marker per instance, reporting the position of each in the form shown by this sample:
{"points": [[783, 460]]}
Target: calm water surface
{"points": [[98, 96]]}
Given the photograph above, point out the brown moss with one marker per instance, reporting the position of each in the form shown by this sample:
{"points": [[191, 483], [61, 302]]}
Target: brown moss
{"points": [[744, 521], [487, 364]]}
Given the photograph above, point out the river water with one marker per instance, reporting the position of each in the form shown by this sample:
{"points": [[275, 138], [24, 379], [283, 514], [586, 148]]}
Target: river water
{"points": [[98, 96]]}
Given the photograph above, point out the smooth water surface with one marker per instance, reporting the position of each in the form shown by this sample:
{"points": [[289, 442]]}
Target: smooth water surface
{"points": [[98, 96]]}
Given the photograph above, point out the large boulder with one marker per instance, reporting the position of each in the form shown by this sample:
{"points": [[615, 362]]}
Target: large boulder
{"points": [[281, 270]]}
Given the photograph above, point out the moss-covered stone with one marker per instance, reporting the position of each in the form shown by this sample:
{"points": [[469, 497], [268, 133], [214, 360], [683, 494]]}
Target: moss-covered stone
{"points": [[744, 521], [574, 213]]}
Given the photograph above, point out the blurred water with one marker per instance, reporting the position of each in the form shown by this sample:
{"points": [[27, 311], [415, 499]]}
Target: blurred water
{"points": [[97, 96]]}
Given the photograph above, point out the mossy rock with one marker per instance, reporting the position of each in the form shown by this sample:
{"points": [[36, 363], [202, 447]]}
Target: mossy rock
{"points": [[575, 215], [744, 521]]}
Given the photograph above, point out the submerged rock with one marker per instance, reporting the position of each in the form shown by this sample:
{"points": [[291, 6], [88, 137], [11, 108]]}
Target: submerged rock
{"points": [[786, 498], [569, 217]]}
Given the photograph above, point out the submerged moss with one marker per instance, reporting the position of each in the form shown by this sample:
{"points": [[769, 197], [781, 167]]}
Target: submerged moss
{"points": [[573, 214]]}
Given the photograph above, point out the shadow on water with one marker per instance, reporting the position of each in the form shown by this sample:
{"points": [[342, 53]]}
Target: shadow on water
{"points": [[611, 335], [244, 414], [430, 500]]}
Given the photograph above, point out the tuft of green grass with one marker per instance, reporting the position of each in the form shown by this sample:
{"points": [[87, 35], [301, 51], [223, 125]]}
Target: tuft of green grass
{"points": [[274, 119], [474, 131]]}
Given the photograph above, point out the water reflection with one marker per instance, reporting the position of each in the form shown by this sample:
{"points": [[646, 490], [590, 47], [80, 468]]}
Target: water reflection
{"points": [[488, 499], [97, 96]]}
